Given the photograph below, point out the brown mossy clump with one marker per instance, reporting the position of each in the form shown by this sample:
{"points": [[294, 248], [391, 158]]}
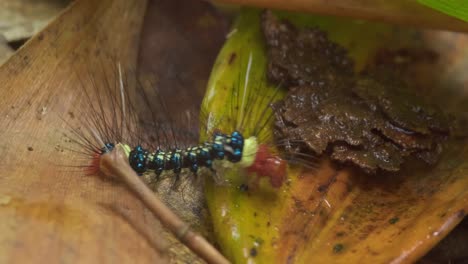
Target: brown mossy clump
{"points": [[372, 119]]}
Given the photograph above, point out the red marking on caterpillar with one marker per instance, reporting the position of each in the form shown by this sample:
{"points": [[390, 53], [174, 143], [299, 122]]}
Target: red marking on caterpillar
{"points": [[268, 165]]}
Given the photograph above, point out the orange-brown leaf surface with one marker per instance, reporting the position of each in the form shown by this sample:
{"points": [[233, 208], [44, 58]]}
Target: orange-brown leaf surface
{"points": [[53, 213], [50, 212], [335, 214]]}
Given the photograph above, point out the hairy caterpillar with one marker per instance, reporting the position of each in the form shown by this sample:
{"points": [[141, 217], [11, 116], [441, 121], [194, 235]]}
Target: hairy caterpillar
{"points": [[157, 142]]}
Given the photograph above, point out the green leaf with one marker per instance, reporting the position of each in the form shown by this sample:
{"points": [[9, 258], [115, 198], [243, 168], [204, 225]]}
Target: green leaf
{"points": [[455, 8]]}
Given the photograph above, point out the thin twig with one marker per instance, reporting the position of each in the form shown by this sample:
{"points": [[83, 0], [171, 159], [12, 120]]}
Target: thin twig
{"points": [[115, 164]]}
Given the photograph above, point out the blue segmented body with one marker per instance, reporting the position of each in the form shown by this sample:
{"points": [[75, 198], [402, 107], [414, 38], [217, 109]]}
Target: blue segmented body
{"points": [[193, 158]]}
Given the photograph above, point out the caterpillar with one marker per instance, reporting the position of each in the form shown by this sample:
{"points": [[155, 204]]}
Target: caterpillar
{"points": [[160, 146], [141, 160]]}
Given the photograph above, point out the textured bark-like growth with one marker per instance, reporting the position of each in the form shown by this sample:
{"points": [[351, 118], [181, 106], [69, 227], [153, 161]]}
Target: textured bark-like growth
{"points": [[372, 120]]}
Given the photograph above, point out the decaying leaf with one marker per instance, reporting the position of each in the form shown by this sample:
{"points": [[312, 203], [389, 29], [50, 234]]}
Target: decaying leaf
{"points": [[363, 119], [333, 214], [52, 212], [304, 57], [45, 193]]}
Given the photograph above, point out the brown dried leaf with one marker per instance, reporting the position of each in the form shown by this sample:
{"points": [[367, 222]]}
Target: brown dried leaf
{"points": [[302, 57], [50, 211], [373, 123], [403, 107]]}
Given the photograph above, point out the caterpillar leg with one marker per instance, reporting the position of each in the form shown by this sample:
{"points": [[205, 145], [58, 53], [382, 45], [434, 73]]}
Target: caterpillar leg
{"points": [[176, 182], [216, 175]]}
